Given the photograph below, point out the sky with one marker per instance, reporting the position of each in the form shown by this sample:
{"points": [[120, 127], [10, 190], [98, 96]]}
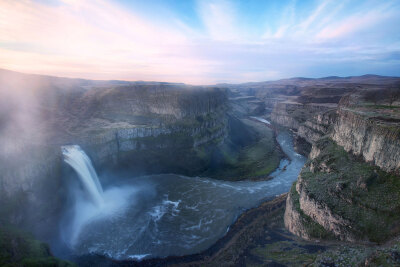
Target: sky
{"points": [[200, 41]]}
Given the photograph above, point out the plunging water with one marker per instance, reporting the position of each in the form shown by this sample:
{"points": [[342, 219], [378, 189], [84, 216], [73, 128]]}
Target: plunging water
{"points": [[162, 215], [80, 162]]}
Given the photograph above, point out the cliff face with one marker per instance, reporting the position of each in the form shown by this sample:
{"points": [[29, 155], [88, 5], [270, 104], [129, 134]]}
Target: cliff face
{"points": [[157, 148], [317, 126], [150, 128], [309, 122], [141, 127], [349, 198], [294, 115], [350, 185], [350, 182], [31, 187], [376, 140], [282, 114]]}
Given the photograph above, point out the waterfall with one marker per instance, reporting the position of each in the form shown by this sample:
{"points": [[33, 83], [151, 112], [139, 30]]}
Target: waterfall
{"points": [[80, 162]]}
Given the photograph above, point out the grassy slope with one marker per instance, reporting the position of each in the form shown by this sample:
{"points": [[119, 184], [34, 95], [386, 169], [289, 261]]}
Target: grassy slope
{"points": [[18, 248], [252, 160], [357, 191]]}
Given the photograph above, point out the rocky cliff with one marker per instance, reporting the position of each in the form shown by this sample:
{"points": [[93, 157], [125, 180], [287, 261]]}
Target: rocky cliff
{"points": [[349, 188], [349, 198], [308, 121], [371, 132], [307, 106], [140, 126], [147, 127], [349, 127]]}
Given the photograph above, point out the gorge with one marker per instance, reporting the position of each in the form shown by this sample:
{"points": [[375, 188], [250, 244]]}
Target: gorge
{"points": [[168, 214], [148, 173]]}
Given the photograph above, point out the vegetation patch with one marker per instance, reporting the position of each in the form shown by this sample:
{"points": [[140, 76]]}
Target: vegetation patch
{"points": [[253, 160], [286, 252], [366, 196], [18, 248]]}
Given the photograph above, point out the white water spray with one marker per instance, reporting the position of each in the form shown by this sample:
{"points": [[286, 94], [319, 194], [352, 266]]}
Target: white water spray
{"points": [[80, 162], [94, 205]]}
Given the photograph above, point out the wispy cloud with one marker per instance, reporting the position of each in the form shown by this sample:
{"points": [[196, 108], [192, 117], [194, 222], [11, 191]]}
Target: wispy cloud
{"points": [[95, 37], [363, 21], [104, 39], [219, 19]]}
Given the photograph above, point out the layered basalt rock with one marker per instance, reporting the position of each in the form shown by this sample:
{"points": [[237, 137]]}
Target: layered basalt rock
{"points": [[148, 149], [309, 122], [154, 127], [282, 114], [349, 198], [375, 139], [349, 186], [140, 126], [319, 125]]}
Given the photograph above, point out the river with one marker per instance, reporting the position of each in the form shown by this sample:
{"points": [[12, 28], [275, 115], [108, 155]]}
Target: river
{"points": [[168, 214]]}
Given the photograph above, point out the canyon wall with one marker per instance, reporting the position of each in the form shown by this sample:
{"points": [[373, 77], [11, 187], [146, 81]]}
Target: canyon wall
{"points": [[376, 140], [151, 129], [308, 121], [348, 189], [147, 127], [350, 199]]}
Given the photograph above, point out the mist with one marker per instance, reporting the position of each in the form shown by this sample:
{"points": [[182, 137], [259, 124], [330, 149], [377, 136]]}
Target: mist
{"points": [[199, 133]]}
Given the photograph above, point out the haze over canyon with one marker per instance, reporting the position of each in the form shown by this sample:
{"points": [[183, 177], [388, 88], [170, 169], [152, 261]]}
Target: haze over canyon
{"points": [[199, 133]]}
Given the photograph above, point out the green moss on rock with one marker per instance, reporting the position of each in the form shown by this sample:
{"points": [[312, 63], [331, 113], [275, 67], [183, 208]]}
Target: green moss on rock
{"points": [[358, 192], [18, 248]]}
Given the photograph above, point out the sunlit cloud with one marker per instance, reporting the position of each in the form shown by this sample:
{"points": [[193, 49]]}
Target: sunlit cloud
{"points": [[219, 41]]}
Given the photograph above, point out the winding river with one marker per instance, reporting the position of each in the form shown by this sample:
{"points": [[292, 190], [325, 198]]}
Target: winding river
{"points": [[162, 215]]}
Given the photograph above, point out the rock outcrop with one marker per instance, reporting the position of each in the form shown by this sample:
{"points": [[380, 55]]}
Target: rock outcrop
{"points": [[317, 126], [293, 219], [350, 199], [375, 139], [309, 122], [282, 114]]}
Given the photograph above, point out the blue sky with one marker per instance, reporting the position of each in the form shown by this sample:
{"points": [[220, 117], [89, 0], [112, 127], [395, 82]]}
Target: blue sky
{"points": [[200, 41]]}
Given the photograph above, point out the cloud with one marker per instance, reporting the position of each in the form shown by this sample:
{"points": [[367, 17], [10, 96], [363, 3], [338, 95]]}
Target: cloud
{"points": [[219, 19], [361, 21], [95, 37], [102, 39]]}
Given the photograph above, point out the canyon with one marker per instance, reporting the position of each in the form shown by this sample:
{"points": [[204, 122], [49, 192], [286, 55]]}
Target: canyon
{"points": [[349, 128], [347, 191]]}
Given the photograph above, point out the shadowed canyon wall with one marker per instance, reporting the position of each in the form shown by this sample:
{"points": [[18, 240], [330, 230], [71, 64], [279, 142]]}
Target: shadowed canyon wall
{"points": [[146, 127]]}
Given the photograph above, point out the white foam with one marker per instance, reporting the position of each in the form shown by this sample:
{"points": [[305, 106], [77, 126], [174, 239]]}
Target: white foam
{"points": [[138, 256], [85, 212]]}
